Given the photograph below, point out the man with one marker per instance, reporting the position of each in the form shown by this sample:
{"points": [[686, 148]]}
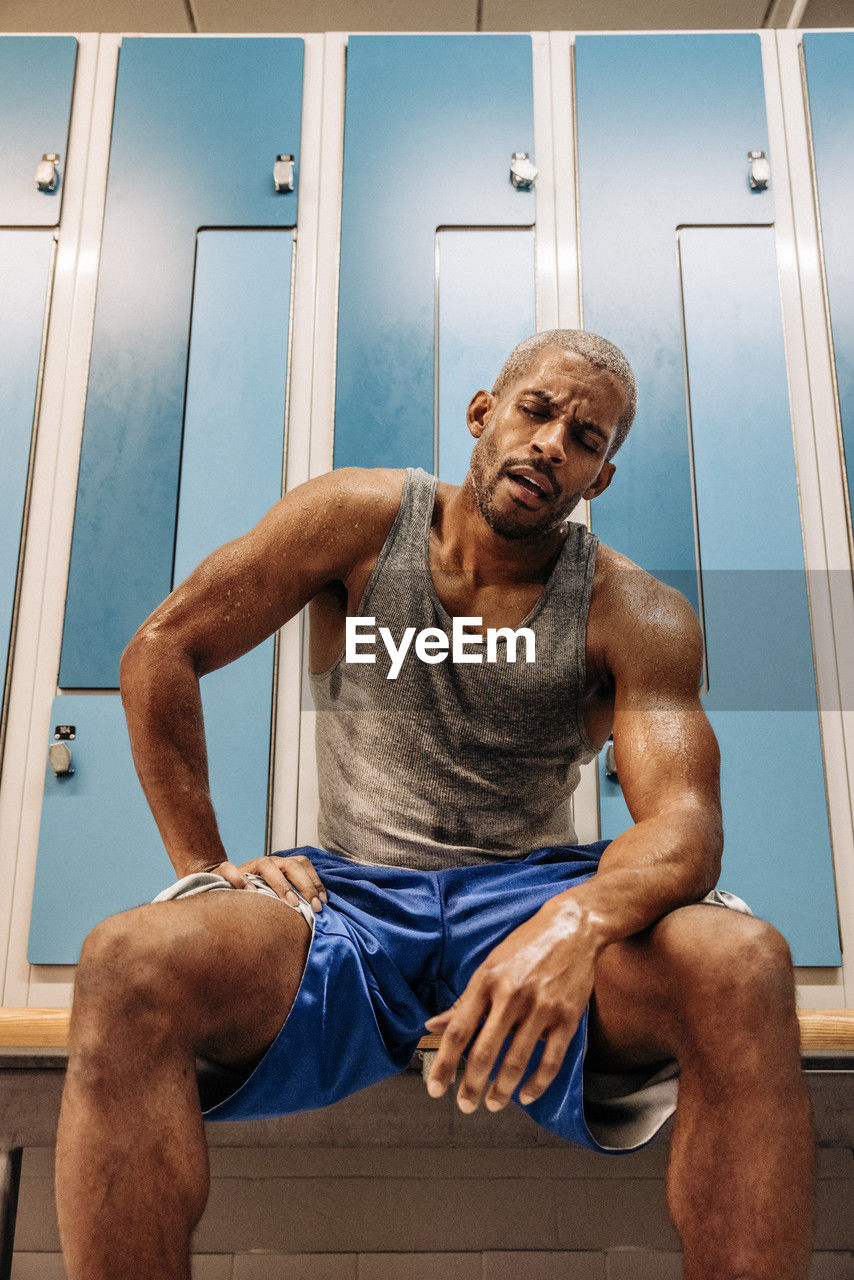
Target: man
{"points": [[445, 883]]}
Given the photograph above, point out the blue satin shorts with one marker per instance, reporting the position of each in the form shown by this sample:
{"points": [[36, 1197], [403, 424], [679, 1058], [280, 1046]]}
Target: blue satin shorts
{"points": [[394, 946]]}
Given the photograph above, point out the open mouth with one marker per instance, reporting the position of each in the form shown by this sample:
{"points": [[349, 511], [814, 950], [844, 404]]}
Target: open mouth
{"points": [[530, 491]]}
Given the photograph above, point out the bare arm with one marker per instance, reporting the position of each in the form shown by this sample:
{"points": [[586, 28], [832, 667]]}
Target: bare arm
{"points": [[668, 764], [541, 976], [235, 599]]}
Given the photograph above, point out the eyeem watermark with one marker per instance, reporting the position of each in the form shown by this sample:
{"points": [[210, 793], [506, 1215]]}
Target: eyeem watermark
{"points": [[433, 645]]}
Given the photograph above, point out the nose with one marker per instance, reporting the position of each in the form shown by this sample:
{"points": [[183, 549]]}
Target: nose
{"points": [[548, 441]]}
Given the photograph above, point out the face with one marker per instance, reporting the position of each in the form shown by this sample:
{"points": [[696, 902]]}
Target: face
{"points": [[541, 445]]}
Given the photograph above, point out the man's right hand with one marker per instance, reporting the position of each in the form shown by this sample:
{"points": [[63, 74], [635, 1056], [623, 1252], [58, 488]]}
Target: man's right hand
{"points": [[283, 875]]}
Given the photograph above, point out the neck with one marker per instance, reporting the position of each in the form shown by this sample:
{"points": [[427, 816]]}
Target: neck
{"points": [[473, 547]]}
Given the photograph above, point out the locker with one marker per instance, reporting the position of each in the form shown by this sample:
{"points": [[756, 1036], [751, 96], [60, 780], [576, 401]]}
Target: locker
{"points": [[198, 126], [431, 125], [829, 61], [26, 269], [485, 305], [99, 848], [678, 277], [36, 80], [664, 127]]}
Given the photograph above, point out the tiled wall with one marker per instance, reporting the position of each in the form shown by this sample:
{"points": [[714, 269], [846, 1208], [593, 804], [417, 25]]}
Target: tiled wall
{"points": [[435, 1214]]}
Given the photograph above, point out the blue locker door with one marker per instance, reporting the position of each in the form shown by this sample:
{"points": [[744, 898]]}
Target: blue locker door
{"points": [[99, 848], [25, 270], [430, 128], [829, 59], [664, 127], [696, 107], [197, 127], [36, 80], [485, 304], [761, 696]]}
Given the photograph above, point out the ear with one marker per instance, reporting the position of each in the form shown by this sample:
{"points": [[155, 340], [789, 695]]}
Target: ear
{"points": [[479, 406], [600, 484]]}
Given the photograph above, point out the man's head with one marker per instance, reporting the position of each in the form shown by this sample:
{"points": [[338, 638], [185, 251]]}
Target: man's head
{"points": [[559, 410], [597, 351]]}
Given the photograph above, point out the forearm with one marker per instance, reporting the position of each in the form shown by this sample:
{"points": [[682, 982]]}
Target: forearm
{"points": [[163, 707], [657, 865]]}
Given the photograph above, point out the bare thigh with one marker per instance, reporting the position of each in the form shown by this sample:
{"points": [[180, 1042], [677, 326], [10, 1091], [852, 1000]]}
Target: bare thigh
{"points": [[215, 974]]}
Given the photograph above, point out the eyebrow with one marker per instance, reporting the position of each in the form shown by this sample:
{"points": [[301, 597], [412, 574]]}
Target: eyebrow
{"points": [[587, 426]]}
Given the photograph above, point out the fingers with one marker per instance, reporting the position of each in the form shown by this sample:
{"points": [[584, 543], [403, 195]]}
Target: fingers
{"points": [[457, 1026], [233, 875], [481, 1058], [558, 1041], [283, 875], [513, 1067], [462, 1022], [303, 876]]}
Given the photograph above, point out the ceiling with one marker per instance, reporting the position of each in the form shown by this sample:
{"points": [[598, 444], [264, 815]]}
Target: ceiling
{"points": [[430, 15]]}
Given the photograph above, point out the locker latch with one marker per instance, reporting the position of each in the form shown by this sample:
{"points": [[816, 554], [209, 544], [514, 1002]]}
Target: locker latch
{"points": [[610, 761], [760, 170], [46, 175], [283, 173], [523, 173], [59, 752]]}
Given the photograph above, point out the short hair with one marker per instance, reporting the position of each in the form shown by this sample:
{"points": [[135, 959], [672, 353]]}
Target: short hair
{"points": [[596, 350]]}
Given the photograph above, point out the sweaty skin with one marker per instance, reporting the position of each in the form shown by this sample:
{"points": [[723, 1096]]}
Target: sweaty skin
{"points": [[540, 447], [667, 976]]}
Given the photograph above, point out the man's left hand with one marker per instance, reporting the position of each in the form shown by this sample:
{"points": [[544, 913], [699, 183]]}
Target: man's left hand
{"points": [[539, 980]]}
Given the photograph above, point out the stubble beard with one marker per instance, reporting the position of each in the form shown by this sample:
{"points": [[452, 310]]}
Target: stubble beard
{"points": [[486, 473]]}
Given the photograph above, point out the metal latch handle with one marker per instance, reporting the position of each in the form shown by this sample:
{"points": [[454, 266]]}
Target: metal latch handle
{"points": [[46, 175], [523, 173], [760, 170], [283, 173], [59, 755], [59, 752]]}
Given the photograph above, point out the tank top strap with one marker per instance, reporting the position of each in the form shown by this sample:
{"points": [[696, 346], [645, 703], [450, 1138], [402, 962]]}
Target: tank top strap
{"points": [[402, 549], [572, 580]]}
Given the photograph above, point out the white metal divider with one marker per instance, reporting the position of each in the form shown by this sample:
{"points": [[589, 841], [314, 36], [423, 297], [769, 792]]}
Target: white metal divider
{"points": [[545, 243], [322, 382], [308, 265], [585, 802]]}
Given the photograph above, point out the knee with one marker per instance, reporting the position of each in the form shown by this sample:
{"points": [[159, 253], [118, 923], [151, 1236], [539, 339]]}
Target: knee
{"points": [[128, 969], [733, 977]]}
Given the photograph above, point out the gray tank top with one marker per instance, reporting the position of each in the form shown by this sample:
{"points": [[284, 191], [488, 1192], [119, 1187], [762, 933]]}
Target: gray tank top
{"points": [[449, 763]]}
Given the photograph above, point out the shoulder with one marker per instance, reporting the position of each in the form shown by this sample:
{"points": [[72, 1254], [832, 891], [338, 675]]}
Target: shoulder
{"points": [[648, 629], [350, 507], [360, 491]]}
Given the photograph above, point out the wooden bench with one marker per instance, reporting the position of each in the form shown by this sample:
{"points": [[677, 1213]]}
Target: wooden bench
{"points": [[33, 1057]]}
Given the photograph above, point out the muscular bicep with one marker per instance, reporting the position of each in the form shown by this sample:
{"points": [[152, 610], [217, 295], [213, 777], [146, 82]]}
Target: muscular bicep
{"points": [[665, 749], [248, 588]]}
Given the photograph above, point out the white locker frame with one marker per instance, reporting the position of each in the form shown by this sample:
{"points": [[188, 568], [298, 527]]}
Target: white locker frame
{"points": [[309, 441]]}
